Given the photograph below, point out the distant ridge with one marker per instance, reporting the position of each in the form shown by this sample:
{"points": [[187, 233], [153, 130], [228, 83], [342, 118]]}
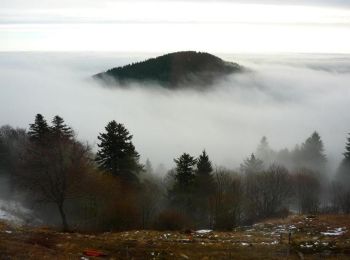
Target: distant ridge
{"points": [[173, 70]]}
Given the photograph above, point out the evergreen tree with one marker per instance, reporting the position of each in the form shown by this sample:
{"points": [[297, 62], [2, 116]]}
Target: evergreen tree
{"points": [[347, 151], [181, 194], [264, 152], [204, 167], [117, 154], [343, 174], [59, 129], [204, 186], [148, 167], [252, 165], [39, 131], [185, 171], [312, 153]]}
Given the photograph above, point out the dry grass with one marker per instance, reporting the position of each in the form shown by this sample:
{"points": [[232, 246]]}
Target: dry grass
{"points": [[266, 240]]}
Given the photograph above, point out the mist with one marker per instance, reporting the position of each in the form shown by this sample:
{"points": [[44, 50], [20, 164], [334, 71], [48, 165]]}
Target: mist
{"points": [[284, 97]]}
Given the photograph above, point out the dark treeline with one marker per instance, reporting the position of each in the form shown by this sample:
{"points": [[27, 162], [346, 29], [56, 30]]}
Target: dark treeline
{"points": [[66, 183]]}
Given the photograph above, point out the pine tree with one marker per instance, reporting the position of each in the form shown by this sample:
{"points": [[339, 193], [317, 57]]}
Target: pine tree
{"points": [[204, 180], [312, 153], [252, 165], [181, 194], [204, 189], [148, 167], [343, 174], [39, 131], [204, 167], [117, 154], [185, 171], [59, 129], [347, 151], [264, 152]]}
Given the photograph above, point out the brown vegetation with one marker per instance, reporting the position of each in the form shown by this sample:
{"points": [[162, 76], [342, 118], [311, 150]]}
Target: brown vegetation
{"points": [[311, 237]]}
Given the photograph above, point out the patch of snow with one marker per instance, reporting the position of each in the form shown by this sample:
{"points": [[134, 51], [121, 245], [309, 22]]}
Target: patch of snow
{"points": [[204, 231], [306, 245], [270, 243], [335, 232], [244, 244]]}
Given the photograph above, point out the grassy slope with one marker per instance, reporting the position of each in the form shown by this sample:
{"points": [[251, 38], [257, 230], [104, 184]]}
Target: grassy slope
{"points": [[261, 241]]}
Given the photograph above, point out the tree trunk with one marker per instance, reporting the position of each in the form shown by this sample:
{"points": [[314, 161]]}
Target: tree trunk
{"points": [[63, 217]]}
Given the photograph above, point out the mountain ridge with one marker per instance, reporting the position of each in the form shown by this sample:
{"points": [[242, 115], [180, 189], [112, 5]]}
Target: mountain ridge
{"points": [[172, 70]]}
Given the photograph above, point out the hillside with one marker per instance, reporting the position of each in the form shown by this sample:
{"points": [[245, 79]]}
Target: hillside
{"points": [[173, 70], [314, 237]]}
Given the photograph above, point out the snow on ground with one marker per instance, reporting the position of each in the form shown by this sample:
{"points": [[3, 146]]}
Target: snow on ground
{"points": [[334, 232], [204, 231]]}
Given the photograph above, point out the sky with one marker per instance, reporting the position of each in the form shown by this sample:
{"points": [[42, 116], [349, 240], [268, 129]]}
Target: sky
{"points": [[314, 26]]}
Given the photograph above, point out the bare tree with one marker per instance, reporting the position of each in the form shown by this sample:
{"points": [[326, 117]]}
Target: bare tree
{"points": [[307, 190], [267, 192], [228, 197], [54, 172]]}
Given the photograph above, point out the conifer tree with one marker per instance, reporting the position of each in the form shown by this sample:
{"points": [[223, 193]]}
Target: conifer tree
{"points": [[59, 129], [185, 171], [204, 189], [204, 180], [39, 131], [181, 194], [347, 151], [312, 153], [343, 174], [117, 154], [148, 167], [264, 152], [204, 166], [252, 165]]}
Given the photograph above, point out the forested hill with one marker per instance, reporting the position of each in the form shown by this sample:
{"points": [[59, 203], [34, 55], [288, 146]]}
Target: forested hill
{"points": [[173, 70]]}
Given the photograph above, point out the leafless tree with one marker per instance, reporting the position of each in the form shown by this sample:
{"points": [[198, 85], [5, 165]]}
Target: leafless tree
{"points": [[53, 173]]}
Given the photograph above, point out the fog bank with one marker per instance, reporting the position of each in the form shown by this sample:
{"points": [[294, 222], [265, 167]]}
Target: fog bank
{"points": [[284, 98]]}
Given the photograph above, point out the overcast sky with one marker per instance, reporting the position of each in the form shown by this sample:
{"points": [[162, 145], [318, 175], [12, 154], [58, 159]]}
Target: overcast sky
{"points": [[169, 25]]}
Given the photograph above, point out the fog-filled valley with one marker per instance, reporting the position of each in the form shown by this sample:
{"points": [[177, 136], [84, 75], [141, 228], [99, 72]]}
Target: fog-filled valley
{"points": [[265, 141], [283, 97]]}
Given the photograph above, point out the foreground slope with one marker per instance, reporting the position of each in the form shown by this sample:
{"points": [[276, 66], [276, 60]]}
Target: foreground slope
{"points": [[321, 237], [173, 70]]}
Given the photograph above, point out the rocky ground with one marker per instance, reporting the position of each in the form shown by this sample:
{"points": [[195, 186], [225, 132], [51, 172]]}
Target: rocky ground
{"points": [[311, 237]]}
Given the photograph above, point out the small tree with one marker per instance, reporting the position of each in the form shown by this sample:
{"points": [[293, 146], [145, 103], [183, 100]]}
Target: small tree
{"points": [[52, 167], [181, 194], [227, 199], [307, 190], [342, 192], [312, 154], [252, 165], [59, 129], [343, 174], [185, 171], [266, 192], [117, 154], [204, 189], [264, 152], [39, 130]]}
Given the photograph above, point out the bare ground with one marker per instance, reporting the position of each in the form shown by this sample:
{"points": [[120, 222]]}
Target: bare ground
{"points": [[322, 237]]}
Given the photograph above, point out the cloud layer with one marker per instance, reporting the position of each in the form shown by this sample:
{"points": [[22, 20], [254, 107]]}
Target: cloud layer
{"points": [[285, 98]]}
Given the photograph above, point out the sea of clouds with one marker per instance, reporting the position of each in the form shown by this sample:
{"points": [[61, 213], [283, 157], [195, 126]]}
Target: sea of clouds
{"points": [[283, 97]]}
